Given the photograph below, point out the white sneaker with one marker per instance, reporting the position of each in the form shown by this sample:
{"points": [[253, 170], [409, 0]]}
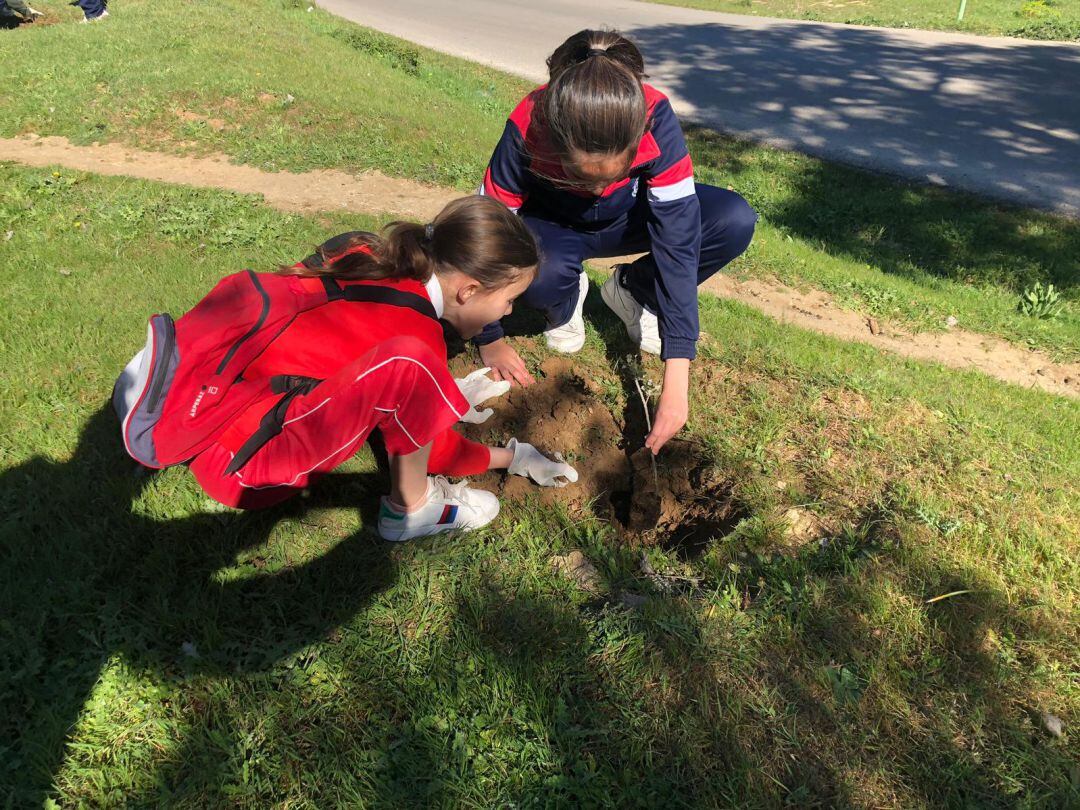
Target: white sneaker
{"points": [[447, 507], [570, 336], [641, 325]]}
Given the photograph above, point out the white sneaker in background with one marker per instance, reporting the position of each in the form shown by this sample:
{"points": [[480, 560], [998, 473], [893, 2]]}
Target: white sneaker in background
{"points": [[569, 337], [446, 507], [641, 325]]}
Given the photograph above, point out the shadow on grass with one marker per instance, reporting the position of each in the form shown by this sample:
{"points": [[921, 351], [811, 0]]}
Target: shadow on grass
{"points": [[528, 695], [823, 707], [86, 579], [595, 705]]}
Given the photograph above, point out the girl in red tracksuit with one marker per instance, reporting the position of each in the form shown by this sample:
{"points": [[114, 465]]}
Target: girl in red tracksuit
{"points": [[346, 368], [596, 165]]}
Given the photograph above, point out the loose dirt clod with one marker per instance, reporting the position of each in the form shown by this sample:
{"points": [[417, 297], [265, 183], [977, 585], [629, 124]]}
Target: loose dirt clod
{"points": [[802, 526]]}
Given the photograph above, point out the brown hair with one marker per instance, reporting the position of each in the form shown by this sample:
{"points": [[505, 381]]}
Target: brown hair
{"points": [[477, 236], [594, 101]]}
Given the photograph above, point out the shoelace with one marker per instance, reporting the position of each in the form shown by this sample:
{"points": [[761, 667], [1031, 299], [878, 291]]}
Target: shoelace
{"points": [[444, 489]]}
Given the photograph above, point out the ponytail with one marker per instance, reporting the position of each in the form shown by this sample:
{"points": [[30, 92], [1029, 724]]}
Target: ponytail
{"points": [[589, 44], [594, 101], [477, 236]]}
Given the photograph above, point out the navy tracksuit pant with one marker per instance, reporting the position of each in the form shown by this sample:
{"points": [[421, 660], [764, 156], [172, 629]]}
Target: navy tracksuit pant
{"points": [[727, 226], [92, 9]]}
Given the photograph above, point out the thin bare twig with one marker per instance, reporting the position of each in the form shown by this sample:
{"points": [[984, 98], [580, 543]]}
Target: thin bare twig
{"points": [[648, 424]]}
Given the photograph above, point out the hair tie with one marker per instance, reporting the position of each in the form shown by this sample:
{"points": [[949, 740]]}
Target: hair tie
{"points": [[596, 52], [429, 232]]}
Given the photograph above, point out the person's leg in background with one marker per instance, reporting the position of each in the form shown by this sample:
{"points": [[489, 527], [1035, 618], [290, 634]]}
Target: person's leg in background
{"points": [[8, 17], [93, 9], [20, 7]]}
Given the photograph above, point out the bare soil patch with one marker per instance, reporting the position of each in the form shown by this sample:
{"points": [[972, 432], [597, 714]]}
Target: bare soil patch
{"points": [[681, 502], [309, 192]]}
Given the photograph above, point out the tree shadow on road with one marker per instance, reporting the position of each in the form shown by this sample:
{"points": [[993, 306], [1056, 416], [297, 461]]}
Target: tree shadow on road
{"points": [[850, 94]]}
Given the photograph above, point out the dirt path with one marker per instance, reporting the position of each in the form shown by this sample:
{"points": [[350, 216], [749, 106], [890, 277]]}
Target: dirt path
{"points": [[372, 192], [322, 190]]}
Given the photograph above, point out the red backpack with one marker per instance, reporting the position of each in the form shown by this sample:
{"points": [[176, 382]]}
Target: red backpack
{"points": [[177, 394]]}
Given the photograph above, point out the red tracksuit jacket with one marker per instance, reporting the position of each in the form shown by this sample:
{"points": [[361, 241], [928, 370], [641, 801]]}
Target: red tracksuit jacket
{"points": [[322, 341]]}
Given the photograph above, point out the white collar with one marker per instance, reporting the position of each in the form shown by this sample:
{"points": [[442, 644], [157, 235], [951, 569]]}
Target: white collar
{"points": [[434, 291]]}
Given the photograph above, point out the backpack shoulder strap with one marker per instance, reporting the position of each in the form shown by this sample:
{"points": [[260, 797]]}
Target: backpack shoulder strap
{"points": [[374, 294]]}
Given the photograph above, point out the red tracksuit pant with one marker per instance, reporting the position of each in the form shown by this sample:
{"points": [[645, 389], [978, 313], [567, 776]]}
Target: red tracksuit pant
{"points": [[399, 387]]}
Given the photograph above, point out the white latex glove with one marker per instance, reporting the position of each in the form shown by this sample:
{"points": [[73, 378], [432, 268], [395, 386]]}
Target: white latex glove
{"points": [[531, 463], [477, 387]]}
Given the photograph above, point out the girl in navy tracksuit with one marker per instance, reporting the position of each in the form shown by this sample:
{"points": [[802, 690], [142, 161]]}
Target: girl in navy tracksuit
{"points": [[596, 164]]}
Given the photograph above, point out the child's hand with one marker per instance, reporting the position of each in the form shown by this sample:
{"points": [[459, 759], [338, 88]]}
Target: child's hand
{"points": [[674, 407], [477, 388], [505, 363], [671, 415], [531, 463]]}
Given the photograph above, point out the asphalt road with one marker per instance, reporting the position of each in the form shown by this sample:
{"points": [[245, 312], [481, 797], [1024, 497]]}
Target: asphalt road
{"points": [[992, 115]]}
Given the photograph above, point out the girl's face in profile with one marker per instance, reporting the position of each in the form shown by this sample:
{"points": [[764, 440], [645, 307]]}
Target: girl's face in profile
{"points": [[470, 307], [595, 171]]}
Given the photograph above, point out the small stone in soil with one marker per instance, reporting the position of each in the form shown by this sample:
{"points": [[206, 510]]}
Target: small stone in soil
{"points": [[1052, 724], [577, 568], [801, 525]]}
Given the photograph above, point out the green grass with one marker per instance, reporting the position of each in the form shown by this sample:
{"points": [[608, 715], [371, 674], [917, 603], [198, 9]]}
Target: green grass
{"points": [[332, 669], [914, 254], [910, 253], [1031, 19], [262, 81]]}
